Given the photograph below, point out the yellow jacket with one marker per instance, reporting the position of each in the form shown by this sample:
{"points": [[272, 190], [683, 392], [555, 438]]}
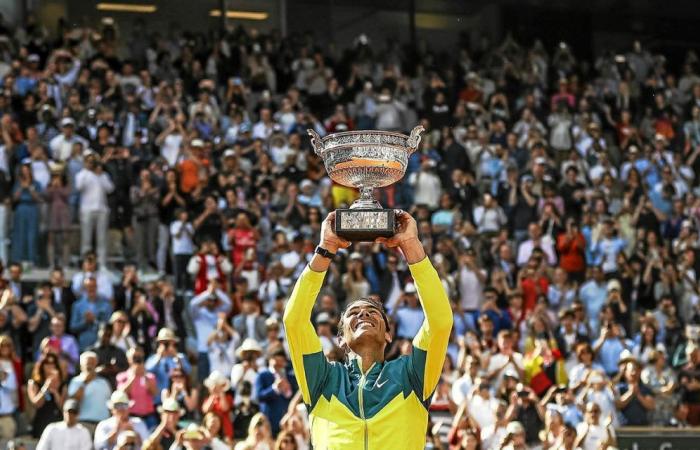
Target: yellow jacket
{"points": [[385, 408]]}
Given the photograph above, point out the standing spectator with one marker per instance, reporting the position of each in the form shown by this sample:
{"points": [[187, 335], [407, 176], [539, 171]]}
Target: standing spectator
{"points": [[65, 345], [219, 401], [26, 196], [67, 434], [205, 309], [636, 399], [182, 246], [166, 432], [594, 433], [46, 391], [250, 323], [89, 270], [94, 185], [91, 390], [409, 315], [59, 220], [110, 431], [89, 312], [208, 263], [41, 312], [274, 388], [145, 198], [10, 388], [166, 359], [62, 145]]}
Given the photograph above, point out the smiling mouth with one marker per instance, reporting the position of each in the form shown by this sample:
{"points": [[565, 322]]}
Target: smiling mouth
{"points": [[363, 324]]}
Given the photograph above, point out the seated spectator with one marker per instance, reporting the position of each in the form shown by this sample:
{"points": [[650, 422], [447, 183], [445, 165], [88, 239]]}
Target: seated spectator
{"points": [[90, 270], [65, 345], [10, 388]]}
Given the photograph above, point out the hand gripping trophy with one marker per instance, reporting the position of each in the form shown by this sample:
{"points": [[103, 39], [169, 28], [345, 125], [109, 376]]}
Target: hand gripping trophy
{"points": [[365, 160]]}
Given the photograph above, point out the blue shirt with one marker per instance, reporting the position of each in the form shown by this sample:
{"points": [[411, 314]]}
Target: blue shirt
{"points": [[87, 332], [409, 321], [205, 319], [93, 405], [272, 403], [593, 296], [609, 355], [161, 368]]}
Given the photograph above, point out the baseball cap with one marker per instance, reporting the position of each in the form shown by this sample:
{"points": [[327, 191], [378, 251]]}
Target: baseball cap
{"points": [[541, 160], [197, 143], [71, 405], [67, 122], [410, 288], [323, 317], [229, 152], [614, 285]]}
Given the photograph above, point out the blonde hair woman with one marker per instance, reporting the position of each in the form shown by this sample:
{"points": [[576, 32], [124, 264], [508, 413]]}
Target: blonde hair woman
{"points": [[259, 434]]}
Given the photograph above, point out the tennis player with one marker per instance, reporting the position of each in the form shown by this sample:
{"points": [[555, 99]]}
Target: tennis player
{"points": [[368, 403]]}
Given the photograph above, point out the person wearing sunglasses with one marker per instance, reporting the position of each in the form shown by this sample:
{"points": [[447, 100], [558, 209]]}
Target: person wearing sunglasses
{"points": [[110, 430], [165, 359]]}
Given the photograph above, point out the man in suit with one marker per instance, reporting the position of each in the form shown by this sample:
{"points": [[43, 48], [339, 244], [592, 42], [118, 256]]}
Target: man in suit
{"points": [[170, 308], [61, 294], [250, 323], [124, 291]]}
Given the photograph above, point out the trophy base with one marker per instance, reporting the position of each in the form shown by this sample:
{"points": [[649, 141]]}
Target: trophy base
{"points": [[361, 224]]}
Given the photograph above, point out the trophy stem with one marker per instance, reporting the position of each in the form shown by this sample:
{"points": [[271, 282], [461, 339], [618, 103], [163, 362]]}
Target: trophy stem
{"points": [[366, 200]]}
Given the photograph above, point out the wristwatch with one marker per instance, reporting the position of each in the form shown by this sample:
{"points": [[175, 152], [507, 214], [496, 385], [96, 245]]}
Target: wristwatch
{"points": [[323, 252]]}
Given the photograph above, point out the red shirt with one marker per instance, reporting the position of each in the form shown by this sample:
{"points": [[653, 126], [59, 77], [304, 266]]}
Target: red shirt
{"points": [[571, 252], [532, 288]]}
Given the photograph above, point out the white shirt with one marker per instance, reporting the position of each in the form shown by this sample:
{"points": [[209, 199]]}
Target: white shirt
{"points": [[104, 283], [483, 410], [8, 389], [62, 147], [93, 190], [183, 244], [497, 361], [59, 436], [594, 436], [107, 426], [461, 388], [171, 148], [470, 289], [525, 250]]}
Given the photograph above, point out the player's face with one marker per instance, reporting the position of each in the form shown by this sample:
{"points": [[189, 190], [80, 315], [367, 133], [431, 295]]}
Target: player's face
{"points": [[364, 323]]}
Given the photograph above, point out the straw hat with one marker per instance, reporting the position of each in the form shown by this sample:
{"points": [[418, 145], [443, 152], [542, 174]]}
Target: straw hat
{"points": [[216, 378], [170, 405], [166, 334], [119, 397], [249, 345]]}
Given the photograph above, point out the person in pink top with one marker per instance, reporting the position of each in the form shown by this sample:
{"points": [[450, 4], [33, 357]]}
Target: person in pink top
{"points": [[140, 386]]}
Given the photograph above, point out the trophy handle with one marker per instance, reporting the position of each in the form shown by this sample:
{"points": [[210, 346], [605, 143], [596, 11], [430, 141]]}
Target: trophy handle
{"points": [[316, 141], [414, 139]]}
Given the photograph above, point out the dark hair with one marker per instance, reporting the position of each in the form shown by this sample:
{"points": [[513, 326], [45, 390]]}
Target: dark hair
{"points": [[376, 304]]}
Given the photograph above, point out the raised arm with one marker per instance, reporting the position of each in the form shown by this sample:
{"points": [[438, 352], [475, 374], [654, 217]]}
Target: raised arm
{"points": [[304, 345], [430, 344]]}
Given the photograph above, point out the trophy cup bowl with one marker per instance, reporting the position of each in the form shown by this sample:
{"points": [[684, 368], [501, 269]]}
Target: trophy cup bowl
{"points": [[365, 160]]}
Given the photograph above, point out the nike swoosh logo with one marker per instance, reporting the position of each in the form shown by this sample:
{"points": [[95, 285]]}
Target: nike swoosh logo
{"points": [[379, 385]]}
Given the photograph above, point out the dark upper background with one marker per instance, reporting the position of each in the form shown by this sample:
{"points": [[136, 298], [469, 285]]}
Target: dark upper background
{"points": [[589, 26]]}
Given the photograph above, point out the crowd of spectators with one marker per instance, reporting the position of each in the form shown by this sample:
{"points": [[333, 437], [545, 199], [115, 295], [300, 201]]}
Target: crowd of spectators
{"points": [[557, 198]]}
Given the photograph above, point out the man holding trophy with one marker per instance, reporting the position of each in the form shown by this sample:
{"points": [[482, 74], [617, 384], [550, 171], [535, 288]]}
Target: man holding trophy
{"points": [[368, 403]]}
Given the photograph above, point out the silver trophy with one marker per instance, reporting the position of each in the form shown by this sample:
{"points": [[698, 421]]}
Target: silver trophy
{"points": [[365, 160]]}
